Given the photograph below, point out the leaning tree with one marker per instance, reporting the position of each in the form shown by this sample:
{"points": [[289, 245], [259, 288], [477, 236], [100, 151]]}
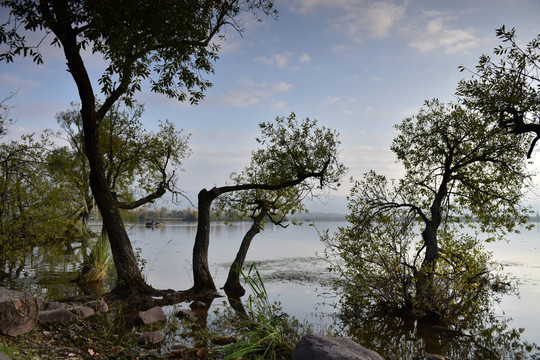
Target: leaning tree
{"points": [[295, 158], [167, 45], [295, 148], [402, 250]]}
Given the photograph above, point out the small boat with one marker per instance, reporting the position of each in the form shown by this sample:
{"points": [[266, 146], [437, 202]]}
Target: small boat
{"points": [[153, 224]]}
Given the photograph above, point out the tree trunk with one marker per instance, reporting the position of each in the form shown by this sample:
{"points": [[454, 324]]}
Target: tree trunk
{"points": [[203, 282], [129, 274], [232, 285], [425, 276]]}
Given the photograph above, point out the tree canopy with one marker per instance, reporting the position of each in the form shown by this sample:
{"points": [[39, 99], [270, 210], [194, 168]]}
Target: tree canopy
{"points": [[138, 46], [401, 249], [507, 86], [296, 159]]}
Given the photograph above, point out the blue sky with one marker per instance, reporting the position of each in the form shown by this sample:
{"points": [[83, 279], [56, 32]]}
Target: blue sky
{"points": [[356, 66]]}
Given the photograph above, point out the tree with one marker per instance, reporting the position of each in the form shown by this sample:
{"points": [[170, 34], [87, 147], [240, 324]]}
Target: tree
{"points": [[295, 159], [167, 44], [137, 162], [509, 89], [34, 209], [292, 138], [460, 170]]}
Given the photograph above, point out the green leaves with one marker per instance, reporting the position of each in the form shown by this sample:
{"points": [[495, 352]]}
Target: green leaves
{"points": [[507, 86], [297, 160], [167, 43]]}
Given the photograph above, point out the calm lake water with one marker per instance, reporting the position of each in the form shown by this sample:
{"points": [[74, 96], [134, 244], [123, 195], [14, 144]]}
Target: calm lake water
{"points": [[280, 253]]}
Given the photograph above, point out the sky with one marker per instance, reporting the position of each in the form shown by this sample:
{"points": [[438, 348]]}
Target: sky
{"points": [[357, 66]]}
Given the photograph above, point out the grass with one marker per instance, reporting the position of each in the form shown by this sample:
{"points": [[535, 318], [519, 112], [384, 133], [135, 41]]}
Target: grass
{"points": [[267, 332], [98, 262]]}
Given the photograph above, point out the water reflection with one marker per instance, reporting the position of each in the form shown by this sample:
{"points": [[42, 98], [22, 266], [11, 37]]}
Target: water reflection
{"points": [[482, 335], [48, 271]]}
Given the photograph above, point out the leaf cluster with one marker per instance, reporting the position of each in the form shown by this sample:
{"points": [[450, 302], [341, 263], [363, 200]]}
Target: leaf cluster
{"points": [[506, 86], [297, 160], [167, 43], [137, 162]]}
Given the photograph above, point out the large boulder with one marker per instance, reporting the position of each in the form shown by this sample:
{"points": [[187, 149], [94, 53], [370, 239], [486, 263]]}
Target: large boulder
{"points": [[18, 312], [319, 347]]}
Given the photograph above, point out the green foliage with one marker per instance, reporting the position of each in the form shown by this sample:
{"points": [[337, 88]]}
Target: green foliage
{"points": [[134, 39], [138, 163], [291, 150], [463, 173], [506, 86], [99, 261], [267, 332], [33, 207]]}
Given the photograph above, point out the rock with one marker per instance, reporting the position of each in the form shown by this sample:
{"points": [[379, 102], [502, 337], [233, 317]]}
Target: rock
{"points": [[318, 347], [150, 316], [99, 306], [187, 314], [56, 315], [53, 305], [18, 312], [150, 338], [223, 340], [83, 311], [4, 357], [41, 303]]}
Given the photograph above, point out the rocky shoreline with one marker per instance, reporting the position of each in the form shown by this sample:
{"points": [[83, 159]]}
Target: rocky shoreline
{"points": [[81, 328]]}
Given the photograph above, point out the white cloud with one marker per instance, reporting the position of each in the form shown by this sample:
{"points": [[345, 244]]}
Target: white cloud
{"points": [[330, 100], [437, 35], [358, 19], [278, 105], [281, 60], [282, 86], [305, 58], [250, 93]]}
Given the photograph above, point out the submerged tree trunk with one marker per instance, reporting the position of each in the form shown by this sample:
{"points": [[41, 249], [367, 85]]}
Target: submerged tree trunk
{"points": [[232, 285], [425, 276], [425, 291], [203, 282]]}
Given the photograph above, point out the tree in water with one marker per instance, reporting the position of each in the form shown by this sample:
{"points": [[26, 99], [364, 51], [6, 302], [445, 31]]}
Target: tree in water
{"points": [[508, 90], [137, 44], [402, 250], [296, 160]]}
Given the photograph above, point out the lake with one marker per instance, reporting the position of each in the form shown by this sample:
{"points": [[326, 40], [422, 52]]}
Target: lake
{"points": [[280, 254]]}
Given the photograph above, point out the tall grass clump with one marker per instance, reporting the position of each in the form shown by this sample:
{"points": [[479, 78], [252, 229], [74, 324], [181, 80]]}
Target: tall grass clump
{"points": [[96, 264], [267, 332]]}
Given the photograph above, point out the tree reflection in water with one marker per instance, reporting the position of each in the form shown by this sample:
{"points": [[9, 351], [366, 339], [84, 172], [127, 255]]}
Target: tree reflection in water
{"points": [[482, 335]]}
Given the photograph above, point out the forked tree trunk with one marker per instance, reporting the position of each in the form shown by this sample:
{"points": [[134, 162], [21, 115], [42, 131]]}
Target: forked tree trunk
{"points": [[232, 285]]}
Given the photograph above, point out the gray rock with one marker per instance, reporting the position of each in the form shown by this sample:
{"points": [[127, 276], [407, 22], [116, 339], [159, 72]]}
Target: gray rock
{"points": [[56, 315], [150, 338], [52, 305], [99, 306], [187, 314], [4, 357], [318, 347], [83, 311], [150, 316], [18, 312]]}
